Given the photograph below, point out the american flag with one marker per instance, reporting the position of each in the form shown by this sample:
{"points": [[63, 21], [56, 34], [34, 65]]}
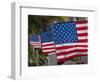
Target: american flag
{"points": [[70, 39], [66, 40], [48, 46], [36, 41]]}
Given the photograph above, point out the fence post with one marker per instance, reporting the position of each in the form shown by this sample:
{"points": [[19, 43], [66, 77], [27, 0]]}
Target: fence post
{"points": [[52, 59], [37, 57]]}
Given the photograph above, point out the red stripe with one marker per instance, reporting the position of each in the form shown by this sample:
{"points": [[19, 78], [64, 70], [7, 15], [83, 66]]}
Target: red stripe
{"points": [[67, 58], [81, 22], [63, 53], [82, 34], [64, 47], [72, 51], [81, 45], [84, 40], [48, 48], [82, 28], [61, 60], [82, 50], [67, 47]]}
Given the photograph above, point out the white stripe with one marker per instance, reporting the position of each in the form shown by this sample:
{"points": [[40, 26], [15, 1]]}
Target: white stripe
{"points": [[70, 44], [70, 49], [81, 25], [66, 44], [83, 37], [35, 44], [76, 53], [48, 47], [72, 54], [47, 43], [60, 57], [82, 31], [49, 50]]}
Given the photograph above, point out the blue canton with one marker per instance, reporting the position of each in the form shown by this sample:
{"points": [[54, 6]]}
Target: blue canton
{"points": [[65, 33], [46, 36], [35, 38]]}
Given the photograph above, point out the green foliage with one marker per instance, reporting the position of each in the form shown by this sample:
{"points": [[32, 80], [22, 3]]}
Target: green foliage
{"points": [[32, 57]]}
